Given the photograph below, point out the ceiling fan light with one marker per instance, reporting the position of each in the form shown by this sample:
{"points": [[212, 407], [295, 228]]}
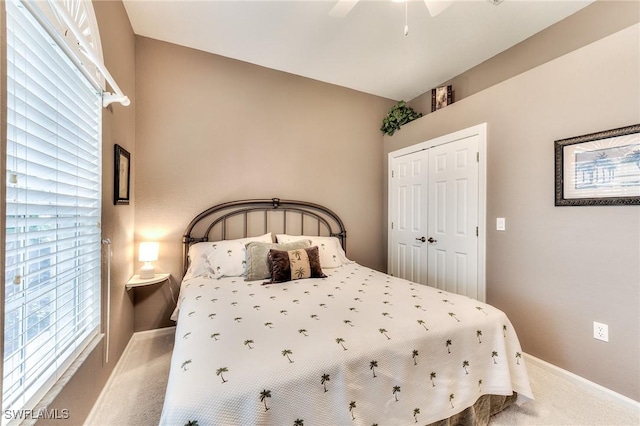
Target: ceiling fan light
{"points": [[495, 2]]}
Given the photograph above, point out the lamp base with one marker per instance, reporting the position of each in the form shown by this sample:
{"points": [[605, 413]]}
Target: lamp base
{"points": [[147, 271]]}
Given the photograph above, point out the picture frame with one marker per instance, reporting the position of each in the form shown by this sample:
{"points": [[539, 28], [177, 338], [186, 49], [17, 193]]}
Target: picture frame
{"points": [[121, 176], [598, 169], [441, 97]]}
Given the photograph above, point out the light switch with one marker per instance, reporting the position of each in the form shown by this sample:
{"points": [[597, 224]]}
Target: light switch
{"points": [[501, 224]]}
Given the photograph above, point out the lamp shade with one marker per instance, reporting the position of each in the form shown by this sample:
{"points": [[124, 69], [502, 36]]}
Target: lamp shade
{"points": [[148, 252]]}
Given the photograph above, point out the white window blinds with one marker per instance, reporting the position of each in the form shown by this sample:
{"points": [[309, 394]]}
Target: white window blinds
{"points": [[53, 211]]}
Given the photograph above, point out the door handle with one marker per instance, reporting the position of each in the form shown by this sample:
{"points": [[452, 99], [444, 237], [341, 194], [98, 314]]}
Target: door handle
{"points": [[423, 239], [431, 240]]}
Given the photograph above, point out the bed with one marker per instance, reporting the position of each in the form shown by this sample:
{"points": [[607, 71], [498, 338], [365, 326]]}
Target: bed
{"points": [[276, 326]]}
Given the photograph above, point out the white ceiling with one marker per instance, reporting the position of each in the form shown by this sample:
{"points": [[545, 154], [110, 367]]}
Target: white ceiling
{"points": [[366, 50]]}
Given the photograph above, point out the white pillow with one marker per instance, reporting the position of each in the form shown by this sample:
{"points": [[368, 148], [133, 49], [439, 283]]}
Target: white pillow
{"points": [[228, 259], [198, 263], [332, 254], [199, 253], [266, 238]]}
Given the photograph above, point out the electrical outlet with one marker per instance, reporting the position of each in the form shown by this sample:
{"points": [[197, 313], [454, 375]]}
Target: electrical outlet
{"points": [[600, 331]]}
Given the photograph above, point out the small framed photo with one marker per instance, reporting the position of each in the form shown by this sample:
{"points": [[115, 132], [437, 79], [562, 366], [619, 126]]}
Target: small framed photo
{"points": [[441, 97], [599, 168], [122, 171]]}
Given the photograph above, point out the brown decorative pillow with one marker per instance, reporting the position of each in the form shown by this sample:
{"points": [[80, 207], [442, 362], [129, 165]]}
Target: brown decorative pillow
{"points": [[294, 264]]}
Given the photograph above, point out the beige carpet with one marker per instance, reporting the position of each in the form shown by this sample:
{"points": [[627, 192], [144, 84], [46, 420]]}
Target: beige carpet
{"points": [[135, 393], [561, 402]]}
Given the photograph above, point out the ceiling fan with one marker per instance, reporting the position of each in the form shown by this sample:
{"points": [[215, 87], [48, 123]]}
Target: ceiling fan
{"points": [[435, 7]]}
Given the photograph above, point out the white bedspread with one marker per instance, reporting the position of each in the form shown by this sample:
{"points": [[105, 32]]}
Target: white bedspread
{"points": [[357, 348]]}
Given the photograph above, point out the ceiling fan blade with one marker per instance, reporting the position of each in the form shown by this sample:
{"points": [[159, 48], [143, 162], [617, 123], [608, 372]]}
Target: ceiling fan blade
{"points": [[342, 8], [435, 7]]}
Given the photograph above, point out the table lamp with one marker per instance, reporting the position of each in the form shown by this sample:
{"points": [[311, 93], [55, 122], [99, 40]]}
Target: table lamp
{"points": [[148, 253]]}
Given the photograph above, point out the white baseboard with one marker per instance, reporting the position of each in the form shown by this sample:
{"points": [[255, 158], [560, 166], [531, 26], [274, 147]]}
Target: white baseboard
{"points": [[152, 333], [584, 384]]}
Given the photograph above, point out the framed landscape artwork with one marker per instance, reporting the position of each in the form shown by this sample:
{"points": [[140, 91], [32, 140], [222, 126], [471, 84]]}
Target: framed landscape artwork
{"points": [[599, 168]]}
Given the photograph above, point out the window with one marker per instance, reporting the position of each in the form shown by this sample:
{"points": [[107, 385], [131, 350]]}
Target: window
{"points": [[53, 211]]}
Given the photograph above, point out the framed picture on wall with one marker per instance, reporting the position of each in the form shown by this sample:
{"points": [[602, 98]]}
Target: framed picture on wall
{"points": [[599, 168], [122, 171], [441, 97]]}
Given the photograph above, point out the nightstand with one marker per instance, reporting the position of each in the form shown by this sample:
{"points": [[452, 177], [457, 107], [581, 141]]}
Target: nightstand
{"points": [[136, 281]]}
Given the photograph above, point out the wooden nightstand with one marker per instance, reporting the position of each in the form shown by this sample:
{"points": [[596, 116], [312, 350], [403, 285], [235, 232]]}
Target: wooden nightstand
{"points": [[136, 281]]}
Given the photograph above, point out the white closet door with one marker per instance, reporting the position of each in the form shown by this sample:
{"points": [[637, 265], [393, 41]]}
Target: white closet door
{"points": [[437, 201], [408, 216], [453, 217]]}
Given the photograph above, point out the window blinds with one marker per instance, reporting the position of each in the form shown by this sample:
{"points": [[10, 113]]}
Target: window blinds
{"points": [[53, 211]]}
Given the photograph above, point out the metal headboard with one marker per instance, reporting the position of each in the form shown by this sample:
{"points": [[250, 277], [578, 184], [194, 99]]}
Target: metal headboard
{"points": [[217, 218]]}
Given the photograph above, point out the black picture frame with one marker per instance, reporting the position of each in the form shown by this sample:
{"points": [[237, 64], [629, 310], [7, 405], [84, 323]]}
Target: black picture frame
{"points": [[441, 97], [121, 176], [598, 169]]}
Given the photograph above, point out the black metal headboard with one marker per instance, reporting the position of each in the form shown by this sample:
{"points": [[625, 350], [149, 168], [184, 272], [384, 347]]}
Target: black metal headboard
{"points": [[244, 218]]}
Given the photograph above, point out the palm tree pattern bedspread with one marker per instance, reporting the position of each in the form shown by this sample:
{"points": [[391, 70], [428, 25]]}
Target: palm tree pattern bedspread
{"points": [[356, 348]]}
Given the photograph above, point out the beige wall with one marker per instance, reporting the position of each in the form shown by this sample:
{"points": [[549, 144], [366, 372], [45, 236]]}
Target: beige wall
{"points": [[211, 129], [118, 126], [601, 18], [557, 269]]}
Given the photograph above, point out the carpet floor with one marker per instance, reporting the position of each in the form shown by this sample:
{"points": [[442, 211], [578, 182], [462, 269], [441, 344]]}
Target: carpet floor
{"points": [[135, 393]]}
